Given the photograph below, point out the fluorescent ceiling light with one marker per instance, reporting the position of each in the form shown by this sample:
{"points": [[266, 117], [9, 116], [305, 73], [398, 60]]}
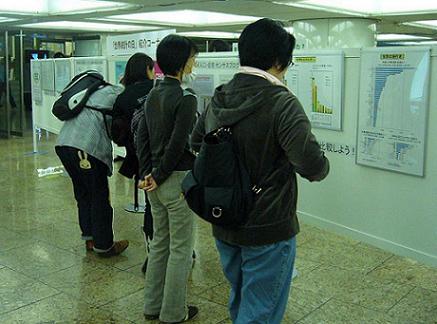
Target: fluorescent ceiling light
{"points": [[211, 34], [82, 25], [186, 18], [423, 43], [57, 6], [83, 5], [24, 6], [392, 37], [368, 7], [423, 23], [6, 19]]}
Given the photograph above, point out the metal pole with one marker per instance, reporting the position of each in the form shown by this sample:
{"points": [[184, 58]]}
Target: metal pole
{"points": [[8, 107], [23, 115]]}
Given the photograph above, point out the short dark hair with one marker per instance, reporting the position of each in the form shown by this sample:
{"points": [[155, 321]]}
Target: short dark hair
{"points": [[173, 53], [59, 55], [218, 45], [136, 68], [265, 43]]}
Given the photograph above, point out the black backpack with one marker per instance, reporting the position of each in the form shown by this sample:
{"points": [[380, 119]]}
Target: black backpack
{"points": [[124, 126], [137, 118], [218, 189], [76, 94]]}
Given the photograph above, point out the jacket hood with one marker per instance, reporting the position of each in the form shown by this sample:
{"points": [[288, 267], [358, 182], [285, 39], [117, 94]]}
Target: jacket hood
{"points": [[135, 94], [242, 96]]}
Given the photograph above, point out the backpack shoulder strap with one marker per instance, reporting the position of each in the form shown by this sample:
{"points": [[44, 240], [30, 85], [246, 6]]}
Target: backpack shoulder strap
{"points": [[188, 92]]}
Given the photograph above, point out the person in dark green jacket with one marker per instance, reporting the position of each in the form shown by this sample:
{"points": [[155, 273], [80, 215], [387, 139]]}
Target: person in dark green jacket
{"points": [[275, 143]]}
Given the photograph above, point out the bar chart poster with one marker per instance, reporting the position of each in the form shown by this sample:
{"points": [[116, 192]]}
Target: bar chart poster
{"points": [[317, 81], [393, 108]]}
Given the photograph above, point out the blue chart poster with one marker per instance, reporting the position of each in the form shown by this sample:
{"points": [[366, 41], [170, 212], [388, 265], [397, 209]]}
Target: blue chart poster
{"points": [[392, 109], [119, 70]]}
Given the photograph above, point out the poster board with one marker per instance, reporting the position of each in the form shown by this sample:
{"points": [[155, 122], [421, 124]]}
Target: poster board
{"points": [[213, 69], [63, 74], [393, 108], [97, 63], [316, 78], [120, 66], [48, 76], [35, 72]]}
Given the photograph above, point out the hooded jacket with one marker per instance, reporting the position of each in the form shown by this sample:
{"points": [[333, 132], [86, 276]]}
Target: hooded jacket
{"points": [[132, 98], [274, 140]]}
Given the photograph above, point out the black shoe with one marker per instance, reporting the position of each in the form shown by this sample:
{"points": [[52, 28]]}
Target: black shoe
{"points": [[192, 312], [151, 317], [144, 267], [194, 259]]}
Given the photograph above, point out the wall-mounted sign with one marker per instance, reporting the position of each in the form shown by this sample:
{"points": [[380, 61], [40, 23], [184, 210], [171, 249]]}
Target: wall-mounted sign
{"points": [[128, 44]]}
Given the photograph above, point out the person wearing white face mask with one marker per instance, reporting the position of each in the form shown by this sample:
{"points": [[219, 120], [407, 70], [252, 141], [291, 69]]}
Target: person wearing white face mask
{"points": [[164, 158], [188, 79]]}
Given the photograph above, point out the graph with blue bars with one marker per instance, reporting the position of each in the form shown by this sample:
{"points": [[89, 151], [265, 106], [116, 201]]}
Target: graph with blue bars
{"points": [[393, 105], [381, 75]]}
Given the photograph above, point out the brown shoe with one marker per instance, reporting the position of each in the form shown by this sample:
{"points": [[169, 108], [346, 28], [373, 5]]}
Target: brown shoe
{"points": [[116, 249], [89, 244]]}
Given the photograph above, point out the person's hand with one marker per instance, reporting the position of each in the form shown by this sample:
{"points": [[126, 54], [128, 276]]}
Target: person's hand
{"points": [[141, 184], [148, 184]]}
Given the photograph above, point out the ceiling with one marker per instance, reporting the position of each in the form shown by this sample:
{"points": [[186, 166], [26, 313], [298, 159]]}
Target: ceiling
{"points": [[275, 9]]}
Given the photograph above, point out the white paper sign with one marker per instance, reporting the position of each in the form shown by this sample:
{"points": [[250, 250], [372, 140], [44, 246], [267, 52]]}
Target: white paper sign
{"points": [[35, 67], [146, 42]]}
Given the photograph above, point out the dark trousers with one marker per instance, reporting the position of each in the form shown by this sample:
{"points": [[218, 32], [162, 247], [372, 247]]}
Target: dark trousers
{"points": [[91, 191], [3, 91]]}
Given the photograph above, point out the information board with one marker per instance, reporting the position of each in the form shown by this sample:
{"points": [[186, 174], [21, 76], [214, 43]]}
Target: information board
{"points": [[316, 78], [98, 64], [35, 70], [393, 108], [120, 66], [213, 70], [62, 74], [48, 76], [128, 44]]}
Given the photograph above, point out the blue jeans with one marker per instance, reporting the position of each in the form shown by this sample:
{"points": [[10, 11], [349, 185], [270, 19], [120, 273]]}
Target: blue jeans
{"points": [[260, 278]]}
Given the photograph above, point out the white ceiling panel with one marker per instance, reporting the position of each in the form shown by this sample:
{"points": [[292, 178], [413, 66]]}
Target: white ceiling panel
{"points": [[390, 14]]}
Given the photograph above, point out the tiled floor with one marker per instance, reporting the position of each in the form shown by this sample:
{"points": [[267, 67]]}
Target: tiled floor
{"points": [[47, 277]]}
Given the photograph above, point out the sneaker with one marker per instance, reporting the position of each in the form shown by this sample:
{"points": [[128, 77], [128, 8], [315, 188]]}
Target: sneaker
{"points": [[116, 249], [89, 244], [192, 312]]}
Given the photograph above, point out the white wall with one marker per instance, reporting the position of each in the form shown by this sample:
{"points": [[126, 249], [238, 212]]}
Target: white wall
{"points": [[393, 211]]}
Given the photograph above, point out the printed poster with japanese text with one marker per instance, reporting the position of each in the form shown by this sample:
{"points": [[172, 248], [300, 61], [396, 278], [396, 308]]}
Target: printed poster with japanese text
{"points": [[393, 107], [317, 81]]}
